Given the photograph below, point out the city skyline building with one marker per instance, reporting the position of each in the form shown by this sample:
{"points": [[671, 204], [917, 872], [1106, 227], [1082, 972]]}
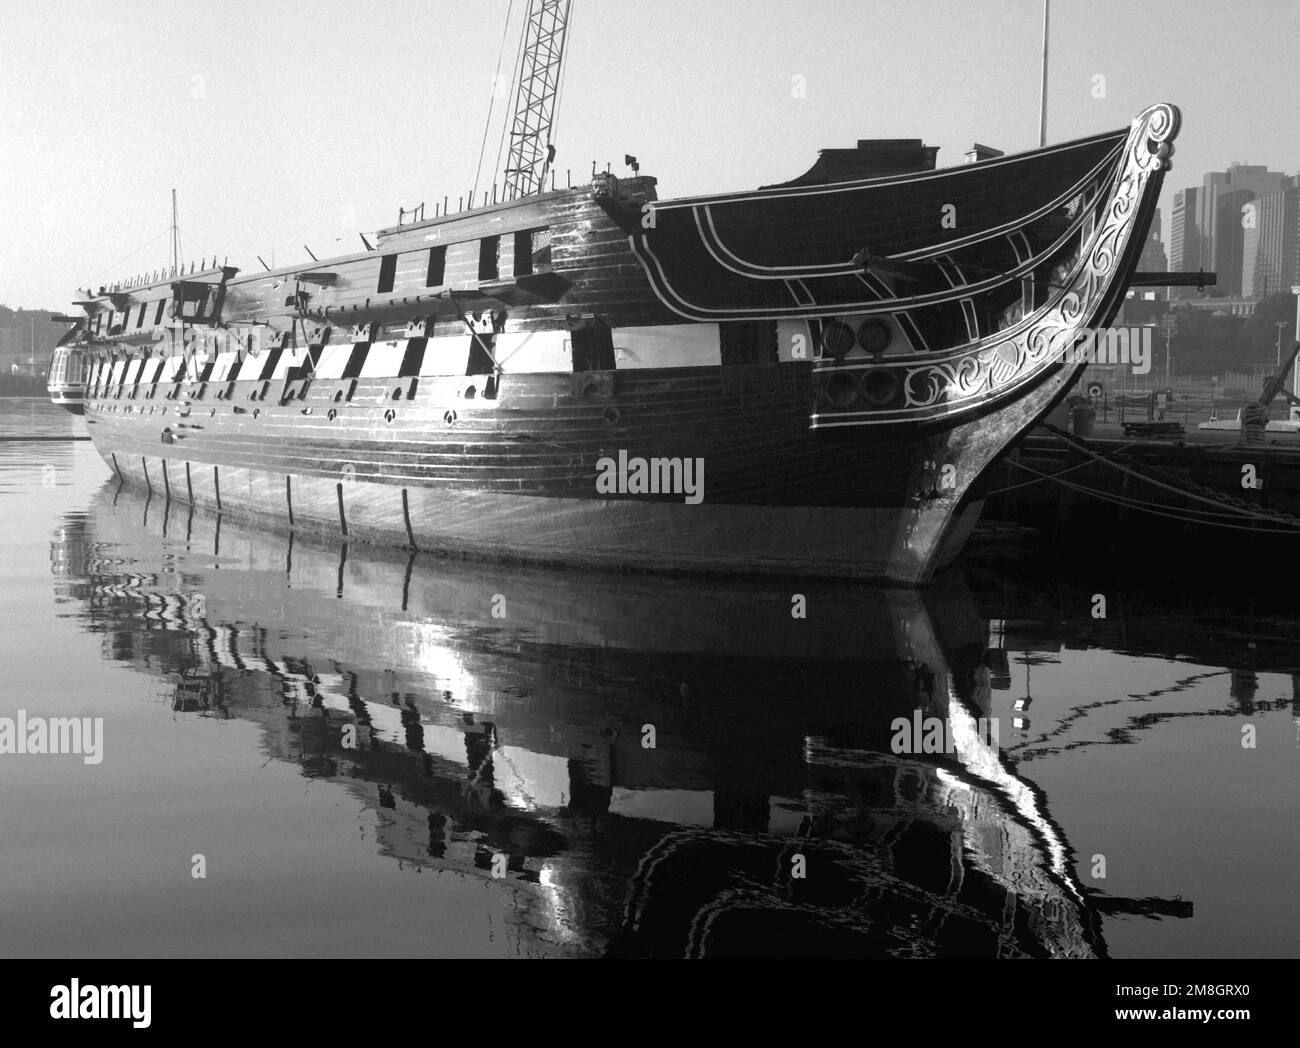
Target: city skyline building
{"points": [[1184, 239], [1221, 222], [1271, 243]]}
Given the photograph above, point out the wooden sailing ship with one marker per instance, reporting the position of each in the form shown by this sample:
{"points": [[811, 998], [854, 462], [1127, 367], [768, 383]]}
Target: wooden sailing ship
{"points": [[805, 379]]}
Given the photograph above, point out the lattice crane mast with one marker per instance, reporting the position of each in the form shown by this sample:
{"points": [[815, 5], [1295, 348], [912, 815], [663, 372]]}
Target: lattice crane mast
{"points": [[533, 102]]}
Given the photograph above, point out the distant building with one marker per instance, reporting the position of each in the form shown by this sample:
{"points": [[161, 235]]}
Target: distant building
{"points": [[27, 338], [1271, 243], [1184, 239], [1143, 305], [1153, 258], [1219, 218], [1236, 306], [1227, 249]]}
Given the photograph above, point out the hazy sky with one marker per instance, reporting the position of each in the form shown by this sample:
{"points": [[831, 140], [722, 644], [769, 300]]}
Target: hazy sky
{"points": [[303, 121]]}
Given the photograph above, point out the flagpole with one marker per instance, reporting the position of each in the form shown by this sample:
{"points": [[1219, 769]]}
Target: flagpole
{"points": [[1042, 103]]}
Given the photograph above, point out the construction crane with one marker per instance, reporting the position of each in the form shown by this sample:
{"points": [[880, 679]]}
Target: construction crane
{"points": [[533, 101]]}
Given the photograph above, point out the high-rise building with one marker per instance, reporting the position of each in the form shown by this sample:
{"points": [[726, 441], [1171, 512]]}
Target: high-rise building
{"points": [[1184, 239], [1227, 249], [1271, 243], [1220, 220], [1153, 258]]}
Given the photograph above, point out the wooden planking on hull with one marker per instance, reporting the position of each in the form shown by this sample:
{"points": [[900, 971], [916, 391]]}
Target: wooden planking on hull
{"points": [[786, 541], [756, 447], [902, 543]]}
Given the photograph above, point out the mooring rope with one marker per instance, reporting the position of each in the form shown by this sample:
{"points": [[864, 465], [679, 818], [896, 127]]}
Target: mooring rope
{"points": [[1223, 505]]}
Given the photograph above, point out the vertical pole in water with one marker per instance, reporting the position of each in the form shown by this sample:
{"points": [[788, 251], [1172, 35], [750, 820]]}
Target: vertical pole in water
{"points": [[1042, 103]]}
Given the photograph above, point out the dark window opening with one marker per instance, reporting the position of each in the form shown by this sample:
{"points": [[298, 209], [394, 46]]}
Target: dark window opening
{"points": [[541, 250], [480, 355], [158, 315], [139, 320], [197, 301], [593, 348], [437, 266], [387, 273], [207, 371], [525, 246], [489, 258], [748, 342]]}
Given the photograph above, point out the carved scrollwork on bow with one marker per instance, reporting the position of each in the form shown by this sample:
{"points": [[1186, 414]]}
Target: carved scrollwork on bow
{"points": [[1018, 354]]}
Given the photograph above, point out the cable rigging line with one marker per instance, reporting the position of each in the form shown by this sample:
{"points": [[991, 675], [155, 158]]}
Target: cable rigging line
{"points": [[1215, 499], [514, 100], [1201, 517], [132, 255], [496, 85]]}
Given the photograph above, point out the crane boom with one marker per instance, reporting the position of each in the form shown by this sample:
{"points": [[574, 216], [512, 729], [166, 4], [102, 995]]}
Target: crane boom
{"points": [[533, 109]]}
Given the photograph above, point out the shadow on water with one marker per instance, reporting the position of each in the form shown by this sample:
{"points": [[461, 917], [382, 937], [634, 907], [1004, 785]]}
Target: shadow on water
{"points": [[662, 767]]}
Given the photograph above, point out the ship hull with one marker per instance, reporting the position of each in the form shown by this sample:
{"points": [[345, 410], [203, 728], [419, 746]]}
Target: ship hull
{"points": [[531, 429], [70, 402], [774, 500]]}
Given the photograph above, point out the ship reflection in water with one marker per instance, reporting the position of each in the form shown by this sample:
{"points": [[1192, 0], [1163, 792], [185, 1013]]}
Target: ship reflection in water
{"points": [[648, 767]]}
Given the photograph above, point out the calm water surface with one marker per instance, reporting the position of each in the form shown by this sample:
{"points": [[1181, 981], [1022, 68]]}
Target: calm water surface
{"points": [[379, 755]]}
